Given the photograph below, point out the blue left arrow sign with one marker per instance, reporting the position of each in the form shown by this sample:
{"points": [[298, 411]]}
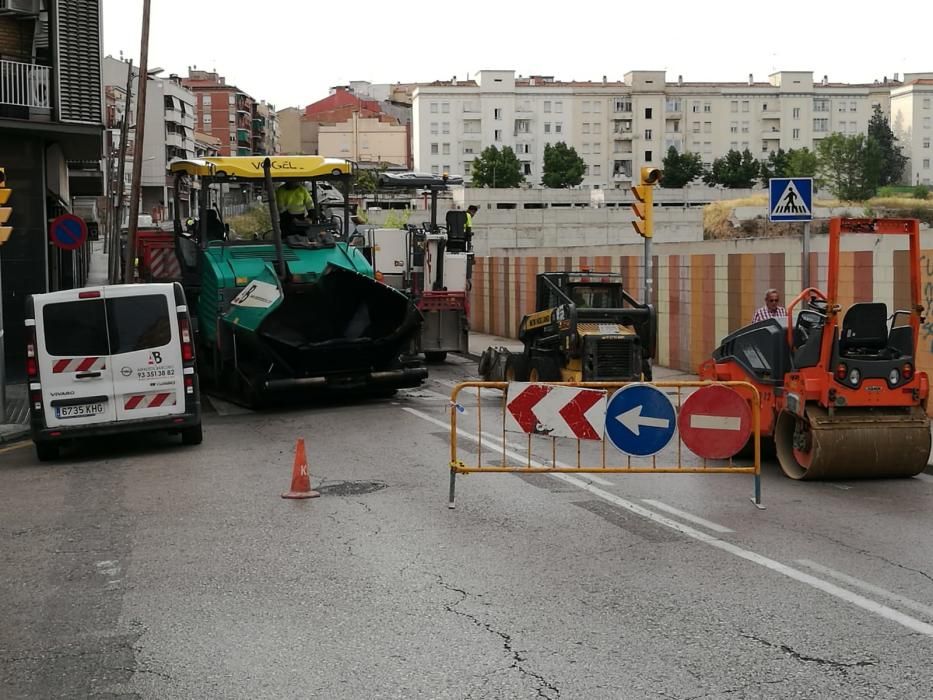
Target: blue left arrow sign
{"points": [[640, 420]]}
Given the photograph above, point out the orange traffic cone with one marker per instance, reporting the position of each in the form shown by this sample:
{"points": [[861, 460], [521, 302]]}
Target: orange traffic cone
{"points": [[301, 482]]}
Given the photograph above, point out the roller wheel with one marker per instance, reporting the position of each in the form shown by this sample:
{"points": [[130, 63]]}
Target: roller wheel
{"points": [[516, 368], [794, 443]]}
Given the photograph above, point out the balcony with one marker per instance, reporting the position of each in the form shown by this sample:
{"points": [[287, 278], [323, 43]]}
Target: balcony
{"points": [[24, 86], [176, 140], [621, 176], [243, 137], [243, 151]]}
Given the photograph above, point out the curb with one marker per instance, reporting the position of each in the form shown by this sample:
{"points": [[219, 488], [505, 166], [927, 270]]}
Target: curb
{"points": [[13, 432]]}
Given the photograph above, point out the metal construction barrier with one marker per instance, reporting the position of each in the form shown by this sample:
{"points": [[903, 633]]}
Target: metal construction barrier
{"points": [[605, 428]]}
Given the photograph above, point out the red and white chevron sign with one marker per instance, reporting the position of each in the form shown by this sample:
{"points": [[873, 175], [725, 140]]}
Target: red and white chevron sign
{"points": [[555, 411]]}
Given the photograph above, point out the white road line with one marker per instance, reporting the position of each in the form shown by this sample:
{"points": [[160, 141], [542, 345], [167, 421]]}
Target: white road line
{"points": [[698, 420], [832, 589], [871, 588], [923, 477], [696, 519], [598, 479]]}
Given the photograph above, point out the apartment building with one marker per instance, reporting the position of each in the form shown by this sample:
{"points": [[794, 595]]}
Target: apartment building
{"points": [[223, 111], [170, 110], [265, 129], [617, 127], [912, 123], [51, 127]]}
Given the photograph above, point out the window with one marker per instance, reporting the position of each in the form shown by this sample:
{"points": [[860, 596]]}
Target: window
{"points": [[232, 98], [558, 106], [523, 148], [547, 106], [926, 102], [796, 134], [206, 118], [926, 143], [734, 128], [586, 106], [696, 127], [468, 106], [445, 149], [585, 148], [764, 106], [434, 128], [695, 107], [841, 107], [435, 170], [471, 126], [445, 127], [596, 170], [497, 135], [647, 134], [206, 100], [707, 107], [446, 168], [745, 145], [853, 106], [138, 323], [796, 112], [649, 156], [744, 127], [597, 107], [820, 105], [926, 122], [445, 107], [734, 106], [557, 127], [497, 113], [926, 163], [821, 125], [707, 127], [707, 147], [547, 127], [744, 105], [734, 145], [622, 104], [597, 148], [434, 108], [586, 169], [76, 328], [597, 127], [586, 127], [433, 149], [647, 112], [526, 168]]}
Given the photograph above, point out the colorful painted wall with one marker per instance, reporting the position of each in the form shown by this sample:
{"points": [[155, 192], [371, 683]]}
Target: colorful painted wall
{"points": [[703, 291]]}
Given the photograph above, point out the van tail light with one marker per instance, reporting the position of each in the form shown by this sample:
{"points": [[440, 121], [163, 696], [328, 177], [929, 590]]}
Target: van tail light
{"points": [[907, 371], [32, 362], [841, 371], [189, 384], [187, 345]]}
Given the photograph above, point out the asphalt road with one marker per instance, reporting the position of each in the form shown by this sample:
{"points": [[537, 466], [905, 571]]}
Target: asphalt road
{"points": [[141, 568]]}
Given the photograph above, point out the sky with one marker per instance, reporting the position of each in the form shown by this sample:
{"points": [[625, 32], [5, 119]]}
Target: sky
{"points": [[291, 52]]}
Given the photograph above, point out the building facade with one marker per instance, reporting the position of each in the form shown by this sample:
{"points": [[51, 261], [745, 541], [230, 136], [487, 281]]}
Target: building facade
{"points": [[618, 127], [51, 127], [912, 124], [169, 136], [223, 111]]}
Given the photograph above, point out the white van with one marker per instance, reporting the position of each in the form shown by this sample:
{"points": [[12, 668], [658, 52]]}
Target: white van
{"points": [[112, 359]]}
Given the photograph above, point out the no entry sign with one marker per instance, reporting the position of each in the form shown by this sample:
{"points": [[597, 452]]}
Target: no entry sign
{"points": [[715, 422], [68, 231]]}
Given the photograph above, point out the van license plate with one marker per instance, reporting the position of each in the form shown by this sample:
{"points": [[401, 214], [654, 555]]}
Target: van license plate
{"points": [[79, 411]]}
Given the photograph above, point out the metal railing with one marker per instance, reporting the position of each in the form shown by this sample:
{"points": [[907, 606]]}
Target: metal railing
{"points": [[24, 85]]}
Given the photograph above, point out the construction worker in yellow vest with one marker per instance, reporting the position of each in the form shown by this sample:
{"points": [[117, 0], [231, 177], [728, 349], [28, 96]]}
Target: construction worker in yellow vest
{"points": [[471, 210], [294, 202]]}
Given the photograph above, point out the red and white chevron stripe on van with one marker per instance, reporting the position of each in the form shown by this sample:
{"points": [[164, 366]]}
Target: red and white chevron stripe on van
{"points": [[80, 364], [148, 401]]}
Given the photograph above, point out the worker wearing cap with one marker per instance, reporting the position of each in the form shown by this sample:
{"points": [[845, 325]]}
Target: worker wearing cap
{"points": [[293, 198], [471, 210]]}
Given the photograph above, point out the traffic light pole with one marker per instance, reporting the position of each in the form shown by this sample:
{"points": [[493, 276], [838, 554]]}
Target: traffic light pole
{"points": [[648, 272], [805, 263]]}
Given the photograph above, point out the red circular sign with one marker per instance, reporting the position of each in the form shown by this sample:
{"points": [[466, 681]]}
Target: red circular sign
{"points": [[715, 422], [68, 231]]}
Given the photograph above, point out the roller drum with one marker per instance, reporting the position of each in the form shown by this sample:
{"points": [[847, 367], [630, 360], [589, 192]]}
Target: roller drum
{"points": [[853, 443]]}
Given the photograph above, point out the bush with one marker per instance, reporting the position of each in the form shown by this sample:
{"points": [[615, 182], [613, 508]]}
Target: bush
{"points": [[254, 222], [921, 192]]}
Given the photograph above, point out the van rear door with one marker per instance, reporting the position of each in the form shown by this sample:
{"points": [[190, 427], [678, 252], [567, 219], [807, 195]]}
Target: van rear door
{"points": [[145, 351], [74, 358]]}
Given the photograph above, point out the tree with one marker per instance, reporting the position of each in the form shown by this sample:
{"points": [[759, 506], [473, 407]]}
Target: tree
{"points": [[849, 166], [680, 168], [893, 161], [365, 181], [735, 170], [775, 166], [801, 162], [562, 166], [495, 168]]}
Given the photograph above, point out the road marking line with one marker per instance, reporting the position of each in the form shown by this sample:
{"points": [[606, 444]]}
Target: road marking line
{"points": [[16, 446], [599, 480], [832, 589], [698, 420], [923, 477], [871, 588], [696, 519]]}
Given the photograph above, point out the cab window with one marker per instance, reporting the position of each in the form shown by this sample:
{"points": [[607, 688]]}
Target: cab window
{"points": [[138, 323], [75, 328], [595, 296]]}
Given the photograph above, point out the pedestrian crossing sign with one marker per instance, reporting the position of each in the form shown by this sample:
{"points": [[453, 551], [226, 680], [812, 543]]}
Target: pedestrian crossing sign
{"points": [[791, 199]]}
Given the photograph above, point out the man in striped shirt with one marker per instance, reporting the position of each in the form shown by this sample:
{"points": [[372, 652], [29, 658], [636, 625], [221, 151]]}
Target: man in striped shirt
{"points": [[772, 307]]}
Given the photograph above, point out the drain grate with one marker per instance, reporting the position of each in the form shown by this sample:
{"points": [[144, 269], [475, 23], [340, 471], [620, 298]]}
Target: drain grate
{"points": [[351, 488]]}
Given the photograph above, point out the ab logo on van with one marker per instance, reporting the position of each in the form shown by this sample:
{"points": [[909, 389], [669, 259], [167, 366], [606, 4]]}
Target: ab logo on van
{"points": [[155, 358]]}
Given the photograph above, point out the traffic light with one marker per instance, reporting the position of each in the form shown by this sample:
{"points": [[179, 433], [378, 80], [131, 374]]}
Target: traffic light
{"points": [[644, 205], [5, 211]]}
